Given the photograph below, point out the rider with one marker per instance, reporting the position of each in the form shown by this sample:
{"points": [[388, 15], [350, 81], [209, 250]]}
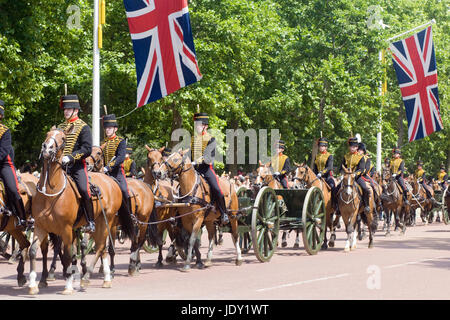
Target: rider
{"points": [[203, 147], [420, 176], [115, 150], [77, 148], [166, 152], [354, 162], [129, 166], [281, 164], [442, 177], [323, 165], [397, 169], [8, 172], [369, 171]]}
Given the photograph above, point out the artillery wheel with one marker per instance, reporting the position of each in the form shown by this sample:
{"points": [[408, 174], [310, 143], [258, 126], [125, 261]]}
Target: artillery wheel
{"points": [[265, 224], [314, 220], [149, 248]]}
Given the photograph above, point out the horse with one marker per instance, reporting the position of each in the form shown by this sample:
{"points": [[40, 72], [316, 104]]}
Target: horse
{"points": [[142, 206], [419, 200], [195, 192], [350, 206], [304, 174], [56, 209], [27, 188], [393, 201], [163, 191]]}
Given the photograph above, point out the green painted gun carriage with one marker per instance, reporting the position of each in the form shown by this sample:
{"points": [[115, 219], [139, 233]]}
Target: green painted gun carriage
{"points": [[261, 218]]}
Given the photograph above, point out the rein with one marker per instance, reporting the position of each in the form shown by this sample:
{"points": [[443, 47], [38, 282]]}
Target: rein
{"points": [[43, 191]]}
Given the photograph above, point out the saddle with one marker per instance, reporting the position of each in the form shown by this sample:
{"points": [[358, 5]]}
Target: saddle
{"points": [[94, 189]]}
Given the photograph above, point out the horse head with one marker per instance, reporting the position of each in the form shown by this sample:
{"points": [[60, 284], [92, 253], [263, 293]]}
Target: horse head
{"points": [[94, 162], [264, 174], [177, 163], [54, 143], [155, 160], [301, 176], [348, 181]]}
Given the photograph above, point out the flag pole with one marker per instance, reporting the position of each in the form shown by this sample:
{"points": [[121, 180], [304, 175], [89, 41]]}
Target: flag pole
{"points": [[96, 80], [413, 29]]}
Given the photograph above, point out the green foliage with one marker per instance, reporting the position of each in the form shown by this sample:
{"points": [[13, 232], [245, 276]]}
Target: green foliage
{"points": [[301, 66]]}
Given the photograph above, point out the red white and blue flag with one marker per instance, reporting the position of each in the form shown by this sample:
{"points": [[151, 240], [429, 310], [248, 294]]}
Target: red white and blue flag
{"points": [[415, 65], [163, 47]]}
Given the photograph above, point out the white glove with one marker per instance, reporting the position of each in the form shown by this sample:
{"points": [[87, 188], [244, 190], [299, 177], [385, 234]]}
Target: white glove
{"points": [[105, 170], [394, 175], [65, 160], [277, 173], [319, 175], [194, 163]]}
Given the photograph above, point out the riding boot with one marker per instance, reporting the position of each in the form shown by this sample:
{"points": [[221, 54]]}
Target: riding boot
{"points": [[366, 200], [20, 212], [89, 213], [223, 210], [405, 198]]}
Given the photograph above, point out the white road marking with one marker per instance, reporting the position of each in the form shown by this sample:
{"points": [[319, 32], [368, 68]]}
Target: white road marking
{"points": [[411, 262], [303, 282]]}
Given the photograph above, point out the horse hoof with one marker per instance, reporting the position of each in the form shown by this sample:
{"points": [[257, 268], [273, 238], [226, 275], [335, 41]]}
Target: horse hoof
{"points": [[51, 277], [21, 281], [186, 268], [324, 246], [284, 244], [239, 262], [159, 265], [347, 250], [370, 245], [133, 272], [33, 290], [331, 244], [67, 292], [84, 283], [107, 284], [353, 248], [296, 245], [43, 285], [208, 263], [199, 265]]}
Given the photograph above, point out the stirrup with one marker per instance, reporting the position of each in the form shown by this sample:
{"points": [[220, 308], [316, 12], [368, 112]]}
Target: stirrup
{"points": [[90, 228], [224, 219]]}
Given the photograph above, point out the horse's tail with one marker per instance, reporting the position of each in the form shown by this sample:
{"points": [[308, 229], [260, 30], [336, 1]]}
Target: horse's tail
{"points": [[126, 222], [152, 229], [55, 240]]}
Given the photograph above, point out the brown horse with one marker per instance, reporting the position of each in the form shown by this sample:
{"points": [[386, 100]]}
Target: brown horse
{"points": [[304, 174], [195, 192], [350, 206], [392, 200], [419, 200], [56, 209], [27, 188], [142, 206], [163, 190]]}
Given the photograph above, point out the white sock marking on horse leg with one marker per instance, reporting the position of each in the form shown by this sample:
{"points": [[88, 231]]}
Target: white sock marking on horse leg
{"points": [[238, 249], [106, 270], [32, 279], [210, 249]]}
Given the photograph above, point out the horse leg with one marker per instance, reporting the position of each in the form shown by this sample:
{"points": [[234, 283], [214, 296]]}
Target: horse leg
{"points": [[44, 250], [355, 235], [297, 239], [68, 258], [388, 222], [22, 252], [132, 266], [283, 239], [39, 236], [349, 230], [192, 239], [199, 264], [220, 241], [112, 254], [56, 252], [211, 230], [235, 236], [83, 263]]}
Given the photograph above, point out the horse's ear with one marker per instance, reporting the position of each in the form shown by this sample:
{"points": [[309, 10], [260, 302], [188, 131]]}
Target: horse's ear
{"points": [[296, 164], [161, 149], [260, 163], [148, 148], [268, 164]]}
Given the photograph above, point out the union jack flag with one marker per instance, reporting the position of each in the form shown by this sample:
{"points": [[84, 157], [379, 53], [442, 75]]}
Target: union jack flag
{"points": [[163, 47], [415, 65]]}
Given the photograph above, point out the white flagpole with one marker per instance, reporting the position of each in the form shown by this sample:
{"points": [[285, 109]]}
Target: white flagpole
{"points": [[96, 81], [413, 29]]}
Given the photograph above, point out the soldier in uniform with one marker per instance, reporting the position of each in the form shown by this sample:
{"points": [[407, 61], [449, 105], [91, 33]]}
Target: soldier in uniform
{"points": [[8, 172], [397, 169], [114, 157], [281, 164], [369, 170], [354, 162], [166, 153], [129, 166], [323, 164], [419, 175], [78, 147], [203, 147], [442, 177]]}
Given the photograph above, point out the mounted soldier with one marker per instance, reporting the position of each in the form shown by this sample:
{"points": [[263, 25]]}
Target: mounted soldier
{"points": [[78, 147], [369, 171], [114, 157], [8, 172], [203, 147], [129, 165], [354, 162], [442, 177], [323, 164], [397, 166], [281, 164], [420, 176]]}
